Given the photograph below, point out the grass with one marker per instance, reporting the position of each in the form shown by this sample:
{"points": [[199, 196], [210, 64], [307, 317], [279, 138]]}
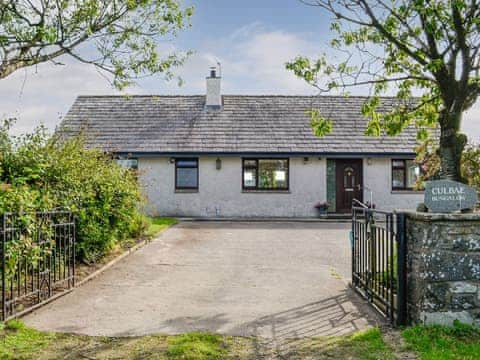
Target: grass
{"points": [[364, 345], [20, 342], [196, 345], [442, 343], [158, 224], [17, 341]]}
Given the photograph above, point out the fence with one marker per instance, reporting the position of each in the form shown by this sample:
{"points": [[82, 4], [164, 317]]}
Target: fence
{"points": [[37, 257], [379, 261]]}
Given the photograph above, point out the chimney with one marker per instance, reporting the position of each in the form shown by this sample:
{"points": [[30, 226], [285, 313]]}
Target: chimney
{"points": [[214, 95]]}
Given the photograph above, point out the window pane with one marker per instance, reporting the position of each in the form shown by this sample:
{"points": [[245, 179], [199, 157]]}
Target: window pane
{"points": [[249, 179], [273, 174], [398, 178], [186, 163], [128, 163], [413, 173], [280, 175], [187, 178]]}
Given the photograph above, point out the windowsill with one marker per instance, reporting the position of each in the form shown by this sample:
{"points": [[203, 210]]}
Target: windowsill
{"points": [[186, 191], [266, 191], [408, 192]]}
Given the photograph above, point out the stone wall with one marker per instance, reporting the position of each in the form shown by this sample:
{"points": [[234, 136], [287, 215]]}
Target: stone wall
{"points": [[443, 267]]}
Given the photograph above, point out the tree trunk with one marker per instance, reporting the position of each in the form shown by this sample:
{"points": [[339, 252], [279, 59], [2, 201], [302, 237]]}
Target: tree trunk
{"points": [[451, 147]]}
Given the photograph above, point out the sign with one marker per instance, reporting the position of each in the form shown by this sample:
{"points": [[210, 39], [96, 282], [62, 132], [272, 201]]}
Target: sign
{"points": [[446, 196]]}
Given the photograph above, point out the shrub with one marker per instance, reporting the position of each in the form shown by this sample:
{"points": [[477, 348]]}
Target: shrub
{"points": [[429, 161], [42, 172]]}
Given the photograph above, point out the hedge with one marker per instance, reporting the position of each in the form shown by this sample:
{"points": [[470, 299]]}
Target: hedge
{"points": [[39, 172]]}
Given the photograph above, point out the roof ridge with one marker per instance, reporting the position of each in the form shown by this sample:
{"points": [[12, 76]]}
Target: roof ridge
{"points": [[236, 95]]}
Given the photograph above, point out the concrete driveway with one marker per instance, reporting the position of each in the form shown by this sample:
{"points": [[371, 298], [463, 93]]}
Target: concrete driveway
{"points": [[268, 279]]}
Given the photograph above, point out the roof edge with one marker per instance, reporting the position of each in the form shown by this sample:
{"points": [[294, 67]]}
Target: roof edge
{"points": [[340, 155]]}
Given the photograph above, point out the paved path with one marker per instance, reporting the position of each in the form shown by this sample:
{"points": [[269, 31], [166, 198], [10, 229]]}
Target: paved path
{"points": [[273, 280]]}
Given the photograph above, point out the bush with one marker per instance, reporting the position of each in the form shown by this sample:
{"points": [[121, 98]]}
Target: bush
{"points": [[42, 172], [429, 161]]}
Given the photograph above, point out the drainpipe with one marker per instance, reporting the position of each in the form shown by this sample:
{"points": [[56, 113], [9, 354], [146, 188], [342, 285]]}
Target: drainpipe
{"points": [[371, 194]]}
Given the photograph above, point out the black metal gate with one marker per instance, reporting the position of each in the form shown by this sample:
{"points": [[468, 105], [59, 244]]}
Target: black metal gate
{"points": [[379, 261], [37, 257]]}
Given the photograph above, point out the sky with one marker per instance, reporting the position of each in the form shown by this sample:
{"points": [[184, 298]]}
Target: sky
{"points": [[251, 39]]}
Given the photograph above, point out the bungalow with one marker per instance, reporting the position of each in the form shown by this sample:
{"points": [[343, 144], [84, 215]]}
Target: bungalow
{"points": [[249, 156]]}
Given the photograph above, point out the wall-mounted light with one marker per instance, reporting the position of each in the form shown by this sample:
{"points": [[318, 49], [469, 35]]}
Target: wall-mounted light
{"points": [[369, 161], [218, 163], [171, 160]]}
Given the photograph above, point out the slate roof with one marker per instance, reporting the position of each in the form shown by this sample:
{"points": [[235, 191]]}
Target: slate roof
{"points": [[246, 124]]}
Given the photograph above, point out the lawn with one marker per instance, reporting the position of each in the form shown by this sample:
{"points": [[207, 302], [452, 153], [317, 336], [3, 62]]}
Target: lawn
{"points": [[442, 343], [158, 224], [429, 342], [21, 342]]}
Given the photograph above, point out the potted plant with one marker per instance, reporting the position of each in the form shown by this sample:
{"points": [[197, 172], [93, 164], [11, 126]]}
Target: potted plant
{"points": [[322, 207]]}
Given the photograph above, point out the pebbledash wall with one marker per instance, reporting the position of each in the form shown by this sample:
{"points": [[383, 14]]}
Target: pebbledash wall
{"points": [[220, 192], [443, 268]]}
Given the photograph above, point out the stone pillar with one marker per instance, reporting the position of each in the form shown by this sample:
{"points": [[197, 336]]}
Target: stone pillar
{"points": [[443, 268]]}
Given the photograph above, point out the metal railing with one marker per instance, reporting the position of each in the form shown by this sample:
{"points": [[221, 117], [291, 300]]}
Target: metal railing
{"points": [[359, 203], [37, 256], [379, 260]]}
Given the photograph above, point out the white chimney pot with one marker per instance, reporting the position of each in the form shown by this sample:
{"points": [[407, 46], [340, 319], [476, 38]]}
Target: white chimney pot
{"points": [[214, 94]]}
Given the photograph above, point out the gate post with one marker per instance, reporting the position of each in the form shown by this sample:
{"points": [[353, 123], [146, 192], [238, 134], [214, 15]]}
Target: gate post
{"points": [[401, 270]]}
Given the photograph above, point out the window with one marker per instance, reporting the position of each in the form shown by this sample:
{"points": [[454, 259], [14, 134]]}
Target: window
{"points": [[265, 174], [404, 174], [130, 163], [186, 174]]}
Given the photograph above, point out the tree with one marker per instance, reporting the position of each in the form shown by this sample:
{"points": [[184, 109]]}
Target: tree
{"points": [[429, 162], [119, 37], [412, 47]]}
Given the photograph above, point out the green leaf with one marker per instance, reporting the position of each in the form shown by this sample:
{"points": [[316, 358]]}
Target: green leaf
{"points": [[321, 126]]}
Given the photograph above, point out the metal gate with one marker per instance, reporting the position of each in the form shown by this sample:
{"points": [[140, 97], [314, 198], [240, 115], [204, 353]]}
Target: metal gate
{"points": [[379, 261], [37, 255]]}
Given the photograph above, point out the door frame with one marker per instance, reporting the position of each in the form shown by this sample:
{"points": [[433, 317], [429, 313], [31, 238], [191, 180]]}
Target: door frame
{"points": [[339, 187]]}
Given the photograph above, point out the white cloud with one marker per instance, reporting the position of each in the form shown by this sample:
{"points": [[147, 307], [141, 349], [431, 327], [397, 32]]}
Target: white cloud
{"points": [[42, 94], [260, 58], [252, 59]]}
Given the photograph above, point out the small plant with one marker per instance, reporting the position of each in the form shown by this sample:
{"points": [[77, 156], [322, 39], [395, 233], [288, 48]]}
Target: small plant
{"points": [[322, 206]]}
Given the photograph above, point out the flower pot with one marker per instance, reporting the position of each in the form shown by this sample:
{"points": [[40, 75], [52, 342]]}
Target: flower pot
{"points": [[322, 211]]}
